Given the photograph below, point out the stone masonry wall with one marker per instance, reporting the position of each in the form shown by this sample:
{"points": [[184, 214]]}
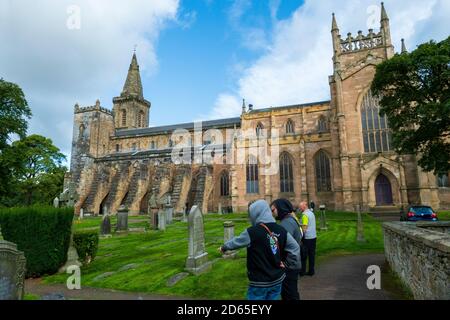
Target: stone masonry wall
{"points": [[420, 257]]}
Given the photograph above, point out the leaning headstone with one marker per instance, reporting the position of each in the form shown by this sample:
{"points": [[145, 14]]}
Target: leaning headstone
{"points": [[56, 202], [122, 219], [105, 228], [162, 220], [228, 234], [197, 260], [12, 271]]}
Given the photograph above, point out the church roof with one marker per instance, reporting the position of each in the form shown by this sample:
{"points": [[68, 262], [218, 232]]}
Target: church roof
{"points": [[133, 84], [217, 124], [304, 105]]}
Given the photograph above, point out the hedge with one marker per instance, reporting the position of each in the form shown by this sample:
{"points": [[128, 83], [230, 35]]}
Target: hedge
{"points": [[42, 233], [86, 243]]}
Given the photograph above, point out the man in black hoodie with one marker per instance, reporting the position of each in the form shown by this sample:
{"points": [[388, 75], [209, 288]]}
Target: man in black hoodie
{"points": [[282, 210], [270, 250]]}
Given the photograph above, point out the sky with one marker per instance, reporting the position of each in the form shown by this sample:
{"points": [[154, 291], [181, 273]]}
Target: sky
{"points": [[198, 58]]}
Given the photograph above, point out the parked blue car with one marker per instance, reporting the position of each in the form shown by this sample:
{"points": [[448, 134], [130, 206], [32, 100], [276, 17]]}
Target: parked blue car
{"points": [[419, 213]]}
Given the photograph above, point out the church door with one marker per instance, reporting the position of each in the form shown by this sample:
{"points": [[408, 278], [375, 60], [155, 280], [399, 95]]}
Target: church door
{"points": [[383, 191]]}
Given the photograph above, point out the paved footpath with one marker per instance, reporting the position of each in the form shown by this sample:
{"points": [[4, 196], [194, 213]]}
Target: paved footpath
{"points": [[343, 278]]}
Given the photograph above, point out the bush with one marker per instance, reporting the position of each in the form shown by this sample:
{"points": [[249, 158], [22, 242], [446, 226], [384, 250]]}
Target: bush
{"points": [[86, 243], [42, 233]]}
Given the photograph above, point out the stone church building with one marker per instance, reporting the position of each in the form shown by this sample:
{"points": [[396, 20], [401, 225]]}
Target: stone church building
{"points": [[335, 152]]}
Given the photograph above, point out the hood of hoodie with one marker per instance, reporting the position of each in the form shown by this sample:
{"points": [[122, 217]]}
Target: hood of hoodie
{"points": [[260, 213]]}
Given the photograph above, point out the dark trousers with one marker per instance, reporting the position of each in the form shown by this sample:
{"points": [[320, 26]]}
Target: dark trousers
{"points": [[310, 254], [289, 290]]}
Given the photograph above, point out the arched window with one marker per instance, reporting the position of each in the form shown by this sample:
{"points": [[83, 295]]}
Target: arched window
{"points": [[323, 172], [252, 175], [442, 181], [375, 130], [170, 143], [152, 145], [259, 129], [322, 124], [290, 127], [224, 184], [141, 119], [286, 173], [124, 118], [81, 130]]}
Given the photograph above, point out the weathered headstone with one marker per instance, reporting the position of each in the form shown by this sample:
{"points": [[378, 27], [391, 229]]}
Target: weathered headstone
{"points": [[197, 260], [105, 228], [12, 271], [153, 211], [72, 256], [359, 226], [228, 234], [122, 219], [162, 220], [81, 214], [56, 202], [105, 211], [169, 214], [220, 210]]}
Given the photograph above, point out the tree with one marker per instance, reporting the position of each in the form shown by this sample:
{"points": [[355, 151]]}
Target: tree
{"points": [[415, 95], [37, 166], [14, 112]]}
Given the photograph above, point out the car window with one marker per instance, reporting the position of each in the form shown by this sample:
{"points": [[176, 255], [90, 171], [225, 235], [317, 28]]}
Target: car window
{"points": [[422, 210]]}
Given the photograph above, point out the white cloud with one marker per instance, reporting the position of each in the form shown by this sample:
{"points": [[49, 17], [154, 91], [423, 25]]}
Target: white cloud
{"points": [[58, 67], [296, 66]]}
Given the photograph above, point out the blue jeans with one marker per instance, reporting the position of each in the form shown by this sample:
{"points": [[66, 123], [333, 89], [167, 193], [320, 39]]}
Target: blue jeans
{"points": [[269, 293]]}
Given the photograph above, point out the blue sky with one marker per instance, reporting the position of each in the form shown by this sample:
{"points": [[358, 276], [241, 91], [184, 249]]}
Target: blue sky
{"points": [[198, 58]]}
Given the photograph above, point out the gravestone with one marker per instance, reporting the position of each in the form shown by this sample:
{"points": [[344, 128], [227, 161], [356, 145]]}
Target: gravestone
{"points": [[56, 202], [12, 271], [153, 211], [105, 211], [162, 220], [197, 260], [122, 219], [228, 234], [72, 255], [105, 228], [220, 210], [169, 214], [81, 214]]}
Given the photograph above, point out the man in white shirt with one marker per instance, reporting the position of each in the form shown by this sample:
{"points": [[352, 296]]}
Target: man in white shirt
{"points": [[308, 223]]}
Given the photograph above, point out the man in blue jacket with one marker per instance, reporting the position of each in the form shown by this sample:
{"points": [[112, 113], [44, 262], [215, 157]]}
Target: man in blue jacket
{"points": [[270, 250]]}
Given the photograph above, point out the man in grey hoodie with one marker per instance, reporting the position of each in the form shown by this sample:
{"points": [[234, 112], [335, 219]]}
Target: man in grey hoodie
{"points": [[270, 250]]}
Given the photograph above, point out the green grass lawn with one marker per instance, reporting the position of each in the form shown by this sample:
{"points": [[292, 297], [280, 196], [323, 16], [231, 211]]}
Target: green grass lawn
{"points": [[443, 215], [157, 256]]}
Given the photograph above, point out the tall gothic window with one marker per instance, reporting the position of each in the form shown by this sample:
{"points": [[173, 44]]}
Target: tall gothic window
{"points": [[323, 172], [152, 145], [252, 176], [141, 119], [224, 184], [442, 181], [375, 130], [124, 118], [322, 124], [259, 129], [286, 173], [290, 127]]}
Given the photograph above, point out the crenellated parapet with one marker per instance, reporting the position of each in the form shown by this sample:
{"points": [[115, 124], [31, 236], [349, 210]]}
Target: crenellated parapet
{"points": [[96, 107]]}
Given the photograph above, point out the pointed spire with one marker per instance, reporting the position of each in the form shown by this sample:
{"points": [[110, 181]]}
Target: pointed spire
{"points": [[334, 26], [404, 50], [384, 15], [133, 84], [243, 106]]}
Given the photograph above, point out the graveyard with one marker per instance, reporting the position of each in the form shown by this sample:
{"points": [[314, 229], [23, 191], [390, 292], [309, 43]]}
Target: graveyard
{"points": [[154, 261]]}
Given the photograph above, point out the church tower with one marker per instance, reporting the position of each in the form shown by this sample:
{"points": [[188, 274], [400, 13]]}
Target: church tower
{"points": [[131, 110]]}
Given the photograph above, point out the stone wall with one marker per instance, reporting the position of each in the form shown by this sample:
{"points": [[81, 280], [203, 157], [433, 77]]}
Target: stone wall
{"points": [[420, 254]]}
